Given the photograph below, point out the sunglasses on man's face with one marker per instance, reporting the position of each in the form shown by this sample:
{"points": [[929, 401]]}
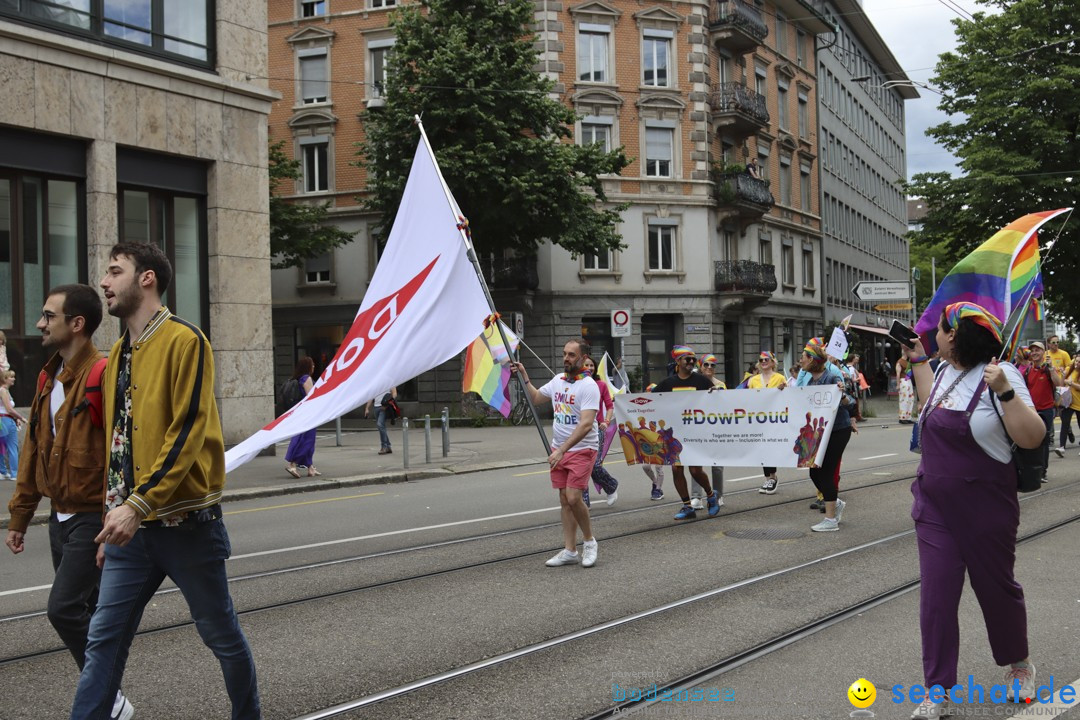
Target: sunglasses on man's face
{"points": [[689, 360]]}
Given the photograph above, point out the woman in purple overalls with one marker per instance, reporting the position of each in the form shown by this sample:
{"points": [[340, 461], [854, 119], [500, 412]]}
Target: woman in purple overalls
{"points": [[965, 510]]}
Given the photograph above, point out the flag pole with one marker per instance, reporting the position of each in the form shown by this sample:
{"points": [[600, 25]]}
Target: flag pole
{"points": [[471, 254]]}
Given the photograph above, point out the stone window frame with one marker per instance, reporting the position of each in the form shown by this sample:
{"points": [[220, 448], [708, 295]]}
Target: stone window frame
{"points": [[598, 106], [670, 220], [659, 23], [379, 41], [786, 179], [809, 279], [300, 4], [806, 196], [310, 141], [787, 262], [596, 17], [381, 4], [309, 42]]}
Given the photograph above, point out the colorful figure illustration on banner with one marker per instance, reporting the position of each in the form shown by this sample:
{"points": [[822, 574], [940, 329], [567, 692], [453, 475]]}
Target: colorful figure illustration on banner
{"points": [[806, 447], [649, 444]]}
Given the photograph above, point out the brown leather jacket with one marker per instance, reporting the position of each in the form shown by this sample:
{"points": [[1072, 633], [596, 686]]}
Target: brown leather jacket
{"points": [[69, 468]]}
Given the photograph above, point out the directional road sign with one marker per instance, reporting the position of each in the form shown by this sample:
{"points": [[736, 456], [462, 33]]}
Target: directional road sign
{"points": [[898, 290]]}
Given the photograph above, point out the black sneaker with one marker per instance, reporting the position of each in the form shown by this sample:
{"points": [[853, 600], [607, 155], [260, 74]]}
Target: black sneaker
{"points": [[818, 505], [769, 487]]}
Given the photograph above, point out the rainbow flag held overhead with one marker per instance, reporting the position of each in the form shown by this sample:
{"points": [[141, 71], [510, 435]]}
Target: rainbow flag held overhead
{"points": [[1012, 341], [606, 369], [485, 375], [1000, 275]]}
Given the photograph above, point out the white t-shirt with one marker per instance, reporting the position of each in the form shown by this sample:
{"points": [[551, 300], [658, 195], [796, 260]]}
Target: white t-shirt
{"points": [[569, 400], [985, 426], [56, 399]]}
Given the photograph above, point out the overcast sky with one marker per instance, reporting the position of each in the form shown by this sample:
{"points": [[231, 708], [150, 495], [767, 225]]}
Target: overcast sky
{"points": [[917, 31]]}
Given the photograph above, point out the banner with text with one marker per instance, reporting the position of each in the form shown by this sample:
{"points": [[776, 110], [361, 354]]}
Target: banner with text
{"points": [[744, 428]]}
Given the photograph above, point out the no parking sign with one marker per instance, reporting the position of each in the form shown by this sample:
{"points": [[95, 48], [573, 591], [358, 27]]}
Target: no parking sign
{"points": [[621, 322]]}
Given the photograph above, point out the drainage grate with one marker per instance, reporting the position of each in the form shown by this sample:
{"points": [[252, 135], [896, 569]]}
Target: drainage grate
{"points": [[765, 534]]}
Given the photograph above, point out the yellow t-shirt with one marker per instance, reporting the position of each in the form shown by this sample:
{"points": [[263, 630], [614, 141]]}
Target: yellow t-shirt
{"points": [[1074, 377], [1060, 359], [777, 380]]}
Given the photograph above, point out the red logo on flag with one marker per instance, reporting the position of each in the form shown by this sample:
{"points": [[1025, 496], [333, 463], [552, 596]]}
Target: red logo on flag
{"points": [[641, 401], [367, 330]]}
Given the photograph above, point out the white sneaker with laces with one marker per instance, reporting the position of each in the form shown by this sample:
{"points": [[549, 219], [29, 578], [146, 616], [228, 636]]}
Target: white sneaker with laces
{"points": [[612, 498], [1025, 675], [122, 708], [565, 557], [826, 525], [697, 504], [930, 710], [1060, 451], [840, 505], [588, 553]]}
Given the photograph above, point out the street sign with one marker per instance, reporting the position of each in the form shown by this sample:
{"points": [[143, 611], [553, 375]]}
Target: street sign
{"points": [[621, 322], [888, 307], [898, 290]]}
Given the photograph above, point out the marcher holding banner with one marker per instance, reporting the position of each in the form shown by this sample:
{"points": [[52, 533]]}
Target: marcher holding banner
{"points": [[813, 362], [686, 379], [767, 378], [575, 399]]}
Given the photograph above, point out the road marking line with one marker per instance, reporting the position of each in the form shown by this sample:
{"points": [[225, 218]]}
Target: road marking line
{"points": [[1057, 707], [306, 502], [392, 532], [25, 590], [878, 457]]}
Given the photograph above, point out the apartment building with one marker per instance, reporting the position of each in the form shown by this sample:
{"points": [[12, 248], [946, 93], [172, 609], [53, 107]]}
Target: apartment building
{"points": [[140, 122], [714, 257], [862, 91]]}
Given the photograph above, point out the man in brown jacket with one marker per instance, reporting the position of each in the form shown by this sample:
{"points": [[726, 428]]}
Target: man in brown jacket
{"points": [[63, 459]]}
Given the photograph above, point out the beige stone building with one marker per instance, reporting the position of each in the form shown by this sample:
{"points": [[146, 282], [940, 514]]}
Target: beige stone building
{"points": [[140, 122]]}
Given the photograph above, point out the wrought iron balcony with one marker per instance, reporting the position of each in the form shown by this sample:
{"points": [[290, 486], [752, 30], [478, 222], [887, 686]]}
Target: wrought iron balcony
{"points": [[748, 196], [738, 109], [736, 25], [745, 277]]}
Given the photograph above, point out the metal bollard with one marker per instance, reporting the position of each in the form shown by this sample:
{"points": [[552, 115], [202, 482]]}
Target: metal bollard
{"points": [[337, 431], [718, 481], [405, 441], [427, 439], [446, 432]]}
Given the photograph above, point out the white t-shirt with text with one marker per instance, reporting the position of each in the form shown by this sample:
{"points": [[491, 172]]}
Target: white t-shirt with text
{"points": [[569, 400]]}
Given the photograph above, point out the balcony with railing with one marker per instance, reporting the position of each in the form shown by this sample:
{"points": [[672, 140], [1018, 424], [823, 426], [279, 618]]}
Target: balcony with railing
{"points": [[736, 25], [739, 194], [745, 277], [738, 109]]}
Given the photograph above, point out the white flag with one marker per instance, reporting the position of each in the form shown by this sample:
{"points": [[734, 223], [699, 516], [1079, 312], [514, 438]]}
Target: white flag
{"points": [[423, 306]]}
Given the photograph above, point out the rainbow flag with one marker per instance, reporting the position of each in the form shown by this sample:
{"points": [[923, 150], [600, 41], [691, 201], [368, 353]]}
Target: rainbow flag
{"points": [[484, 375], [999, 275]]}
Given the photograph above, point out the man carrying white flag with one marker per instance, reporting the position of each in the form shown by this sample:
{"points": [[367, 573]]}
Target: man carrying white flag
{"points": [[423, 306]]}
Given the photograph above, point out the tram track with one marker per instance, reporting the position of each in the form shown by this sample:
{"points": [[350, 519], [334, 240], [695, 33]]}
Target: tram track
{"points": [[715, 669]]}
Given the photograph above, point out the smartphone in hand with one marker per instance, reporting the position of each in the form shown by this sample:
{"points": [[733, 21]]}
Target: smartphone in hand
{"points": [[902, 334]]}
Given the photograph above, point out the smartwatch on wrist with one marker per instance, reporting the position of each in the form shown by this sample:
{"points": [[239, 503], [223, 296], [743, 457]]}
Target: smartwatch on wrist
{"points": [[1007, 395]]}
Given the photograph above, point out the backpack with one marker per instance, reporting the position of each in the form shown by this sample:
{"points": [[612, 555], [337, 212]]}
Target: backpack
{"points": [[291, 393], [390, 407], [92, 401]]}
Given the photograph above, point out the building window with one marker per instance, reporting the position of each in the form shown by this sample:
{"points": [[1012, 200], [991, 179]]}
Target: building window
{"points": [[316, 166], [312, 8], [659, 152], [782, 106], [596, 131], [601, 261], [178, 30], [177, 224], [781, 34], [804, 116], [761, 81], [661, 247], [800, 48], [314, 85], [808, 329], [378, 54], [765, 250], [765, 333], [763, 161], [804, 187], [788, 262], [592, 52], [383, 3], [785, 180], [808, 266], [317, 270], [656, 54]]}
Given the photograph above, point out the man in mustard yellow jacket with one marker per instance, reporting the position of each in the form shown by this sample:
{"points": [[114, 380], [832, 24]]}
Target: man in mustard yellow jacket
{"points": [[164, 476]]}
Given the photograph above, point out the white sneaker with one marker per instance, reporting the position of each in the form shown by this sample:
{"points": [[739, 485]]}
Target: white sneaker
{"points": [[697, 504], [565, 557], [612, 498], [929, 710], [122, 708], [588, 553], [840, 505], [1060, 451], [826, 525], [1026, 677]]}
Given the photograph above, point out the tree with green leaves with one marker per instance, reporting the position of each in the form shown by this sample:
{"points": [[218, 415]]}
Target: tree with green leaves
{"points": [[298, 230], [1010, 89], [467, 67]]}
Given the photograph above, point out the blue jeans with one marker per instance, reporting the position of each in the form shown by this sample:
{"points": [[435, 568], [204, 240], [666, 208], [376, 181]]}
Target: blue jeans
{"points": [[380, 422], [9, 437], [192, 556]]}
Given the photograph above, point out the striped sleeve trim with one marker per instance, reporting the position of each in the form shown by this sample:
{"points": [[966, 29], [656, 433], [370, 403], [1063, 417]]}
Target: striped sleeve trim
{"points": [[192, 504]]}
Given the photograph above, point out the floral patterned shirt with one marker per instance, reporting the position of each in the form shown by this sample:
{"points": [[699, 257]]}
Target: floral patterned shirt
{"points": [[121, 475]]}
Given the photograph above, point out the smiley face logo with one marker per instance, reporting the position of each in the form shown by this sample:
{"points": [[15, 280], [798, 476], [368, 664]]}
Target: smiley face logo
{"points": [[862, 693]]}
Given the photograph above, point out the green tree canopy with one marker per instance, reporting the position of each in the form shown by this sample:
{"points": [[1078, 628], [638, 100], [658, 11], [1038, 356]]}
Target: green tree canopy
{"points": [[1011, 91], [467, 67], [298, 231]]}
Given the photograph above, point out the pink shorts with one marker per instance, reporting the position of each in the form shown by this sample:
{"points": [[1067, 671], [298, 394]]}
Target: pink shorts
{"points": [[574, 470]]}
